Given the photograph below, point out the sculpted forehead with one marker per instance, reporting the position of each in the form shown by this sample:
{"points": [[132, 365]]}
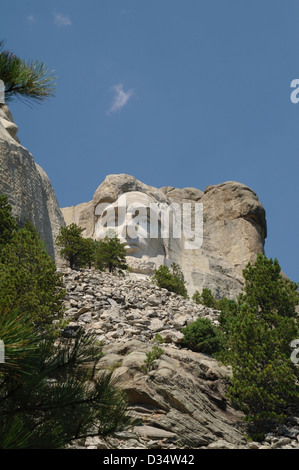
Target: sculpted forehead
{"points": [[135, 197], [132, 199]]}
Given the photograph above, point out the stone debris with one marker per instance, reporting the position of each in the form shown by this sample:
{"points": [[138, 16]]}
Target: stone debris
{"points": [[125, 307]]}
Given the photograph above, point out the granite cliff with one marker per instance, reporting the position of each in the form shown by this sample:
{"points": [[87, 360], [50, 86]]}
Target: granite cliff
{"points": [[26, 184]]}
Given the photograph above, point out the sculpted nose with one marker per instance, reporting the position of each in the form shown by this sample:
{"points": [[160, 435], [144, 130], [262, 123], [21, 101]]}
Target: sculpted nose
{"points": [[122, 232], [127, 228]]}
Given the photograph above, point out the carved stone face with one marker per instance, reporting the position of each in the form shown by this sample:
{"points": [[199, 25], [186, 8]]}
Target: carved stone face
{"points": [[135, 220]]}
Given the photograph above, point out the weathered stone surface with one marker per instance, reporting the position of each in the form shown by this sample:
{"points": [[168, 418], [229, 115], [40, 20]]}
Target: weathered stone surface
{"points": [[153, 433], [234, 230], [181, 397], [27, 186]]}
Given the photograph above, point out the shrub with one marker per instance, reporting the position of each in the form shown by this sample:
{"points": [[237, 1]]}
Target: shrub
{"points": [[110, 254], [154, 354], [29, 280], [172, 280], [205, 298], [202, 336], [72, 245], [8, 224], [88, 252]]}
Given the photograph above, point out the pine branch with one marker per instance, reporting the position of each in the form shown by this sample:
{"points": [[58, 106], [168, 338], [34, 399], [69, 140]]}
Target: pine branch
{"points": [[25, 80]]}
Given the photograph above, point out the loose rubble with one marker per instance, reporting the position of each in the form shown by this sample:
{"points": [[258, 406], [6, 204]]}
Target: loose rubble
{"points": [[180, 402], [128, 306]]}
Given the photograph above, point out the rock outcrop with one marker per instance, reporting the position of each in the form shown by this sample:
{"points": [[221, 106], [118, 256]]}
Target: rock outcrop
{"points": [[27, 186], [232, 229]]}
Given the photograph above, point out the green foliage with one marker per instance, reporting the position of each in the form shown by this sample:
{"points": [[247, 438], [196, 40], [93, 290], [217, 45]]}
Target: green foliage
{"points": [[170, 279], [78, 251], [205, 298], [29, 281], [88, 252], [263, 376], [266, 289], [25, 80], [8, 224], [51, 396], [209, 300], [158, 339], [152, 355], [72, 245], [258, 335], [202, 336], [110, 254], [19, 340], [254, 337]]}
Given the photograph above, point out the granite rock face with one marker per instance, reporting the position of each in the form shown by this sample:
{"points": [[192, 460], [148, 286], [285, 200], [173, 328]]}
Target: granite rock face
{"points": [[230, 229], [27, 186]]}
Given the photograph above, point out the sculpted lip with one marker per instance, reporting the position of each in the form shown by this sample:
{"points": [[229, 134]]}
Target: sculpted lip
{"points": [[130, 248]]}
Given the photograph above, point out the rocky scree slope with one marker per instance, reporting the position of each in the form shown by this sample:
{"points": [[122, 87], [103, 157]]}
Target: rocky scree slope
{"points": [[181, 402]]}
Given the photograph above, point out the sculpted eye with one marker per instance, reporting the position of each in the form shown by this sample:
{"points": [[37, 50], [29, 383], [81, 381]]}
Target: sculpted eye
{"points": [[144, 217], [109, 217]]}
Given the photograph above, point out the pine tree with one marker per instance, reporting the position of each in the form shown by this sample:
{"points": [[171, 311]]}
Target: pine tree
{"points": [[205, 298], [72, 245], [268, 290], [29, 280], [25, 80], [8, 224], [170, 279], [258, 334], [110, 254], [88, 252], [50, 396]]}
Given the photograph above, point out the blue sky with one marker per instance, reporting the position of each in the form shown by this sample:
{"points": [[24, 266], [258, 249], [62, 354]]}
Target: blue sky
{"points": [[175, 92]]}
